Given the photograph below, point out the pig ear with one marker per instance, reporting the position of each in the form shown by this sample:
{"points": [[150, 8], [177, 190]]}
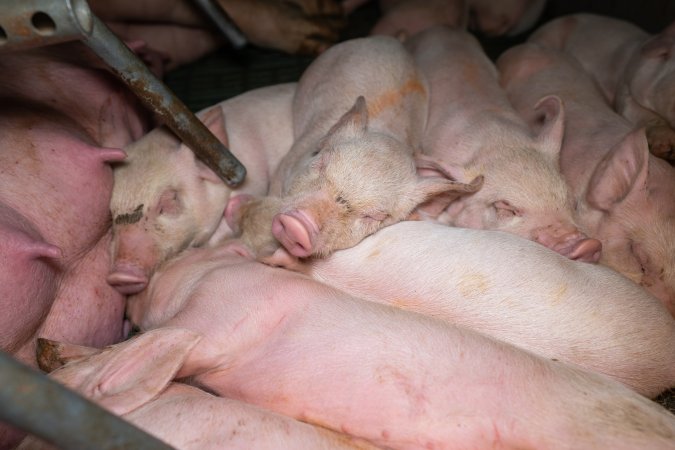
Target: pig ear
{"points": [[623, 170], [134, 372], [553, 129], [659, 46], [354, 122], [438, 186], [214, 119]]}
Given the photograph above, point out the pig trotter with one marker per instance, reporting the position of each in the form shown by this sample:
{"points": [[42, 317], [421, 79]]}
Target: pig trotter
{"points": [[48, 355]]}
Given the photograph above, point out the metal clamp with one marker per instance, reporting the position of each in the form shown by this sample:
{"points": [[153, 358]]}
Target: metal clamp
{"points": [[34, 23]]}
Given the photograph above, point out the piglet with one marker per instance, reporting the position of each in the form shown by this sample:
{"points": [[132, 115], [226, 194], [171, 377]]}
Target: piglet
{"points": [[473, 130], [358, 115], [635, 70], [133, 379], [623, 193], [401, 380], [585, 314], [165, 200]]}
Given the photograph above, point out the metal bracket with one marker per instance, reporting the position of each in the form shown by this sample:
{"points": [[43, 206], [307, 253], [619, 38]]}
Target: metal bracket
{"points": [[33, 23]]}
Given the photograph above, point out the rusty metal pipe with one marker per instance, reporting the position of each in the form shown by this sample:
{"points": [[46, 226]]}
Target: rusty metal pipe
{"points": [[222, 20], [33, 23], [33, 402], [159, 98]]}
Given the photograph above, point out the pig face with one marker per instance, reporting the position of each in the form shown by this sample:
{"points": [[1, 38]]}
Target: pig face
{"points": [[163, 201], [629, 200], [537, 203], [356, 182]]}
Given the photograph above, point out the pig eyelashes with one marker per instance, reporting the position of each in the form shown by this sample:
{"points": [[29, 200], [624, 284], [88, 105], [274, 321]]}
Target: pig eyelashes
{"points": [[130, 218], [169, 203], [505, 210], [375, 216]]}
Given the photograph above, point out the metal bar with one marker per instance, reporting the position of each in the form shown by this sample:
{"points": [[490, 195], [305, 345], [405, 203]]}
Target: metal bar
{"points": [[159, 98], [35, 23], [39, 405], [222, 20], [32, 23]]}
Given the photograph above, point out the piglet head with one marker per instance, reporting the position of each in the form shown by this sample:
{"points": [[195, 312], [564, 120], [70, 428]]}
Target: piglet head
{"points": [[164, 200], [524, 192], [629, 201], [357, 181]]}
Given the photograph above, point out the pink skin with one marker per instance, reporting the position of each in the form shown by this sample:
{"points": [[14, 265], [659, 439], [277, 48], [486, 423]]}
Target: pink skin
{"points": [[62, 117], [585, 314], [623, 193], [74, 218], [474, 130], [111, 115], [133, 379], [29, 272], [164, 200], [412, 381]]}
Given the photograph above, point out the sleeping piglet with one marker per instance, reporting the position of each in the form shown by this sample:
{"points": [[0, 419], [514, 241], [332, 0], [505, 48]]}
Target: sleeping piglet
{"points": [[358, 115], [473, 129], [623, 193], [165, 200]]}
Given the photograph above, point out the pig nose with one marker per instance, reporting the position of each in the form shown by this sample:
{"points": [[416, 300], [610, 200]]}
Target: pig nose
{"points": [[128, 279], [586, 250], [295, 231]]}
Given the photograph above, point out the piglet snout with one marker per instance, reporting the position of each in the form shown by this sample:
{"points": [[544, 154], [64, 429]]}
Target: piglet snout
{"points": [[586, 250], [572, 244], [578, 247], [296, 231], [127, 279]]}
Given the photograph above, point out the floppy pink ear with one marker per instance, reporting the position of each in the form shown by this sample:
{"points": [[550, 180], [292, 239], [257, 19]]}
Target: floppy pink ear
{"points": [[214, 119], [623, 171], [553, 130], [438, 186], [127, 375]]}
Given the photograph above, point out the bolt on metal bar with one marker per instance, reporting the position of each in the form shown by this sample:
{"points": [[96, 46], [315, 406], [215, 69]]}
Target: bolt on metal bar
{"points": [[33, 23], [222, 20], [35, 403]]}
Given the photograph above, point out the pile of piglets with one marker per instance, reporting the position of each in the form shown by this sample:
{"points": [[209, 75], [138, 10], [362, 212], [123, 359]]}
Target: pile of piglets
{"points": [[431, 249]]}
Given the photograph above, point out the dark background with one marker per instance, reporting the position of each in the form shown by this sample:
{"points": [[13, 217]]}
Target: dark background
{"points": [[227, 73]]}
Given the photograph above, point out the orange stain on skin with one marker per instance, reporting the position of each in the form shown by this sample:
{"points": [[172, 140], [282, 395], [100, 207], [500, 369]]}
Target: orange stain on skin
{"points": [[391, 98]]}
